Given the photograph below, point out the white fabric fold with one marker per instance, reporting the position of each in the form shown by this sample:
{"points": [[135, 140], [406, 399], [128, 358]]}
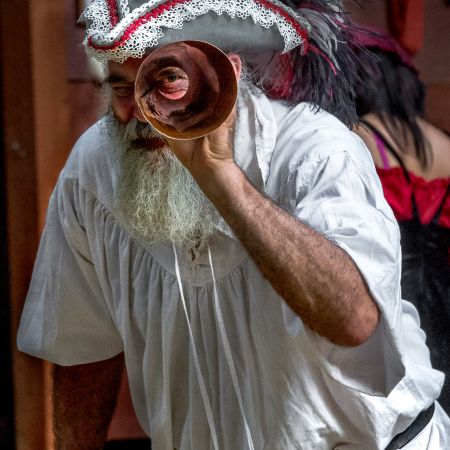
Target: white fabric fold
{"points": [[193, 349], [228, 354]]}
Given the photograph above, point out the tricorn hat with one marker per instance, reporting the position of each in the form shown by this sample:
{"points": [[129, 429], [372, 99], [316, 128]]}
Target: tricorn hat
{"points": [[309, 59]]}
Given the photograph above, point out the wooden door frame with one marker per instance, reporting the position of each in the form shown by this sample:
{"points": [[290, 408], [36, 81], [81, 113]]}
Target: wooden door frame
{"points": [[36, 134]]}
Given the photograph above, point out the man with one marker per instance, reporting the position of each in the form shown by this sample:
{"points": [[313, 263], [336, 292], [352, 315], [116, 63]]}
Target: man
{"points": [[250, 278]]}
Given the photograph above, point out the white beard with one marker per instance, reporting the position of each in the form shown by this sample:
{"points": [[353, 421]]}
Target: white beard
{"points": [[157, 197]]}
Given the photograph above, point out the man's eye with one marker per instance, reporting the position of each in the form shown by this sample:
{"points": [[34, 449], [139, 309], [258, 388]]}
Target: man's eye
{"points": [[170, 75], [171, 78], [123, 91]]}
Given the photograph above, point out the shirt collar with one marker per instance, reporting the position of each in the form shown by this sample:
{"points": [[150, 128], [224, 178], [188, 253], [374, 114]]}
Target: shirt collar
{"points": [[255, 134]]}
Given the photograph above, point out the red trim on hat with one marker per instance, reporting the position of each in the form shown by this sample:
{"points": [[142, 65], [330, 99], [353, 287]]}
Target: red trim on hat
{"points": [[280, 11], [169, 5], [113, 13], [137, 23]]}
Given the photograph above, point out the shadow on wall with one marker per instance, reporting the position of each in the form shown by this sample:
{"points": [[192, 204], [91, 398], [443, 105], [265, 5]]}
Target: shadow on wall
{"points": [[6, 382]]}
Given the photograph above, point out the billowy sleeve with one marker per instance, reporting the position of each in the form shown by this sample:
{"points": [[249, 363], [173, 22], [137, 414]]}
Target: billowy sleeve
{"points": [[67, 318], [339, 195]]}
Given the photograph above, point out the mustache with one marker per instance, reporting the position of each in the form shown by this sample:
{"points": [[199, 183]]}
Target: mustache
{"points": [[135, 130], [132, 132]]}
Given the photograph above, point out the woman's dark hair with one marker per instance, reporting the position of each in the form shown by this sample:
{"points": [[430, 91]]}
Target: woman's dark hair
{"points": [[393, 91]]}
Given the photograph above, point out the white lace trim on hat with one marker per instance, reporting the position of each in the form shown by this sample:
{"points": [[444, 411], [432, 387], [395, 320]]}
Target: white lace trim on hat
{"points": [[124, 8], [104, 35]]}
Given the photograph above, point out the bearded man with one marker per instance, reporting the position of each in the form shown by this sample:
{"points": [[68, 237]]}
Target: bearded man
{"points": [[250, 278]]}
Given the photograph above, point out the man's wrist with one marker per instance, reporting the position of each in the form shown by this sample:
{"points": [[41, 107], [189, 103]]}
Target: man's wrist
{"points": [[221, 181]]}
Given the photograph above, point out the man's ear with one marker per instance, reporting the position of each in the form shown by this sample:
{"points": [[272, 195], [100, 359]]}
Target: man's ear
{"points": [[237, 64]]}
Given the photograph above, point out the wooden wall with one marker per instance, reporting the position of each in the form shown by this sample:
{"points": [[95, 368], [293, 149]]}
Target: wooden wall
{"points": [[35, 124]]}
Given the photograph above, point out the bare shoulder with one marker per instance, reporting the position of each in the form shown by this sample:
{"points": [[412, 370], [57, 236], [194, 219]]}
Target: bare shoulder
{"points": [[365, 134], [440, 148]]}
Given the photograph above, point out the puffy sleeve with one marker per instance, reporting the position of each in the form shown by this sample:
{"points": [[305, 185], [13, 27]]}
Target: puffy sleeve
{"points": [[67, 318], [339, 195]]}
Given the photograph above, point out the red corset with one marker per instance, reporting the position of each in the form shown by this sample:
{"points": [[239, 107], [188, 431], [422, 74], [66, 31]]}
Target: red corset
{"points": [[428, 194]]}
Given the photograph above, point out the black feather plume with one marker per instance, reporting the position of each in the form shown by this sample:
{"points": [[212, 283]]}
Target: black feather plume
{"points": [[323, 71]]}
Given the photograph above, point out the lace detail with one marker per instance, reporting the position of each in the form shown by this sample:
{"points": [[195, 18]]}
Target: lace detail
{"points": [[124, 8], [122, 41], [98, 13]]}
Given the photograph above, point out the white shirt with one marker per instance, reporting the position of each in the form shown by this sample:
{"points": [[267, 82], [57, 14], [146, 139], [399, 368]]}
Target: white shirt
{"points": [[96, 292]]}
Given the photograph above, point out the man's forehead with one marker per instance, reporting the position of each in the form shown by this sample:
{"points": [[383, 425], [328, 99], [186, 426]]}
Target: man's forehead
{"points": [[125, 71]]}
